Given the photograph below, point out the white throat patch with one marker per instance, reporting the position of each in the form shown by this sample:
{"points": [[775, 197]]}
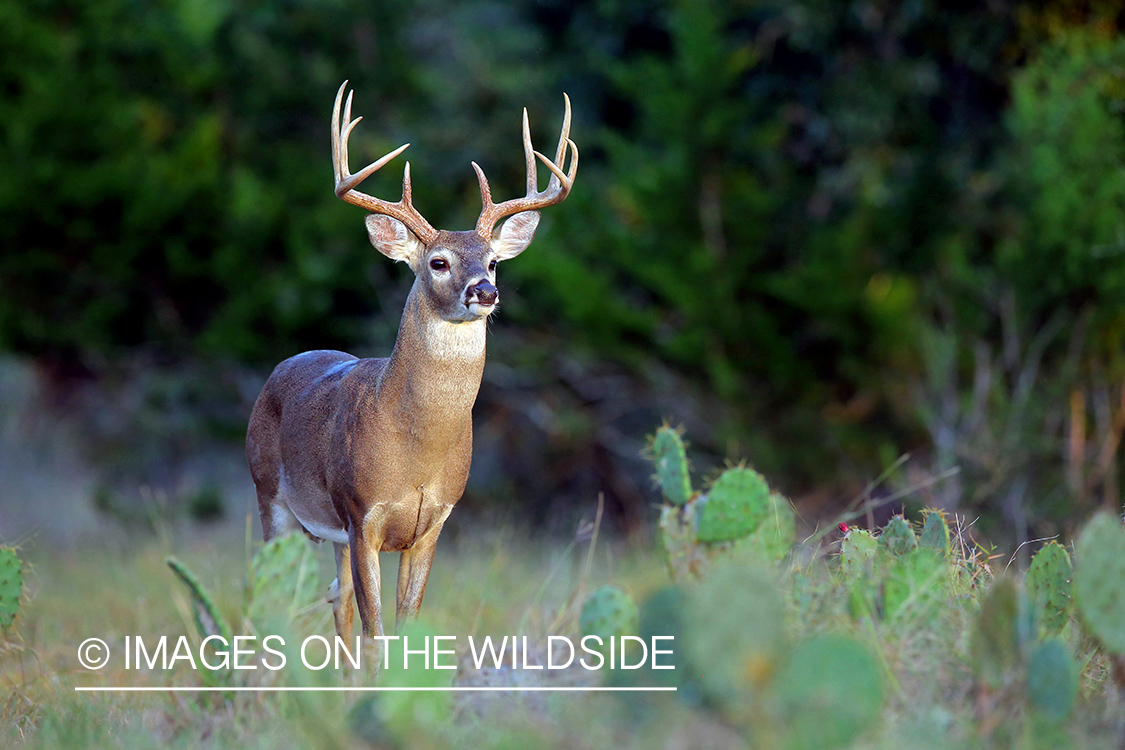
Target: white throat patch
{"points": [[445, 340]]}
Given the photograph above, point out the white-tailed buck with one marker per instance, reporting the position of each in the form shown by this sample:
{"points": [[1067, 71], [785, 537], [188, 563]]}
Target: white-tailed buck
{"points": [[372, 454]]}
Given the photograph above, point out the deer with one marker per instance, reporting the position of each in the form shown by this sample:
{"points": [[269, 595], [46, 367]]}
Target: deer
{"points": [[373, 454]]}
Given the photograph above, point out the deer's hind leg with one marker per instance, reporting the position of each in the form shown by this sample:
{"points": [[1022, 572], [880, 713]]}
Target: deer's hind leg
{"points": [[277, 519], [263, 454], [341, 594]]}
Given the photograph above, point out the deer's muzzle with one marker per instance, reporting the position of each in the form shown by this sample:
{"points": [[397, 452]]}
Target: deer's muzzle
{"points": [[483, 293]]}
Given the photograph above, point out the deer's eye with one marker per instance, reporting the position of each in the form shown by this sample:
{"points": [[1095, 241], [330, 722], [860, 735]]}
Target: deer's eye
{"points": [[492, 265], [439, 264]]}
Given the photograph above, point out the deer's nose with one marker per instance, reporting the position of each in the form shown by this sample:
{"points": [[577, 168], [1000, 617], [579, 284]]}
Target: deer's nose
{"points": [[485, 292]]}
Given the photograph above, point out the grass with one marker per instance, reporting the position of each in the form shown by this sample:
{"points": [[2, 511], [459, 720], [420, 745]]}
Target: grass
{"points": [[503, 584]]}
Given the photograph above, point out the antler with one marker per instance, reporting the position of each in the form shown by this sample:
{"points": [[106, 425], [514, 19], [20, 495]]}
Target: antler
{"points": [[557, 189], [403, 210]]}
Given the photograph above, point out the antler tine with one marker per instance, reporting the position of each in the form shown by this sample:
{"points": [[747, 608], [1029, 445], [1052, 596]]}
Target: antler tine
{"points": [[564, 136], [529, 156], [485, 190], [557, 175], [558, 187], [336, 156], [403, 210], [346, 133]]}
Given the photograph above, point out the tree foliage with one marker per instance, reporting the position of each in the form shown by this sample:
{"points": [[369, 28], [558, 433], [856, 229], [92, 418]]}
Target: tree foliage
{"points": [[824, 214]]}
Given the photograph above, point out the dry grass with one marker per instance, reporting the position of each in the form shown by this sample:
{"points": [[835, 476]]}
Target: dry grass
{"points": [[498, 584]]}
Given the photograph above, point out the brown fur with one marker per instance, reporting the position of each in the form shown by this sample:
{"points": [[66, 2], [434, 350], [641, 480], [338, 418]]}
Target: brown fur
{"points": [[374, 453], [379, 449]]}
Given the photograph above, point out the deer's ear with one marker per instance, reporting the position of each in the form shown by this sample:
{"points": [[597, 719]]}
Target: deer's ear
{"points": [[515, 235], [392, 238]]}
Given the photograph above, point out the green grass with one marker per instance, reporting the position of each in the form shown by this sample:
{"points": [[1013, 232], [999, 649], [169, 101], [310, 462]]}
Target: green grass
{"points": [[506, 584]]}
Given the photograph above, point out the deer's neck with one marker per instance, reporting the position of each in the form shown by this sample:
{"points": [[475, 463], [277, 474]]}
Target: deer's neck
{"points": [[436, 366]]}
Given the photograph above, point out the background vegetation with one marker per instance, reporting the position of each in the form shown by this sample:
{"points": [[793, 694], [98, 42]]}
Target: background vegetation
{"points": [[820, 234], [874, 249]]}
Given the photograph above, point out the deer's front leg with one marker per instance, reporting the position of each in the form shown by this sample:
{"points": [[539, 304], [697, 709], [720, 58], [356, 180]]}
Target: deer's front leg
{"points": [[414, 569], [365, 541]]}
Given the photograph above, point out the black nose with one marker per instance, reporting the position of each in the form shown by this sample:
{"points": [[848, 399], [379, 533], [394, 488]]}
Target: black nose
{"points": [[486, 293]]}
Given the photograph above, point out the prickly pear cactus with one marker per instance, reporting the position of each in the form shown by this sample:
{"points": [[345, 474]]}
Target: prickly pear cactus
{"points": [[777, 532], [915, 583], [735, 634], [1048, 586], [664, 613], [609, 613], [735, 506], [208, 619], [671, 465], [857, 562], [831, 691], [414, 713], [1052, 680], [683, 554], [282, 582], [995, 641], [11, 585], [1098, 576], [856, 553], [935, 532], [898, 538]]}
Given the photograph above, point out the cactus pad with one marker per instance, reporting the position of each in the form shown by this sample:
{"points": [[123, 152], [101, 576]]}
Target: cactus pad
{"points": [[671, 465], [1048, 585], [775, 536], [735, 632], [1052, 680], [1097, 580], [915, 583], [831, 691], [857, 555], [609, 613], [663, 614], [856, 552], [898, 538], [11, 585], [994, 643], [208, 619], [736, 506], [282, 581], [935, 531]]}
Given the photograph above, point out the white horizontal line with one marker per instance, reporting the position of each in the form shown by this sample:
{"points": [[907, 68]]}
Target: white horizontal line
{"points": [[480, 689]]}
